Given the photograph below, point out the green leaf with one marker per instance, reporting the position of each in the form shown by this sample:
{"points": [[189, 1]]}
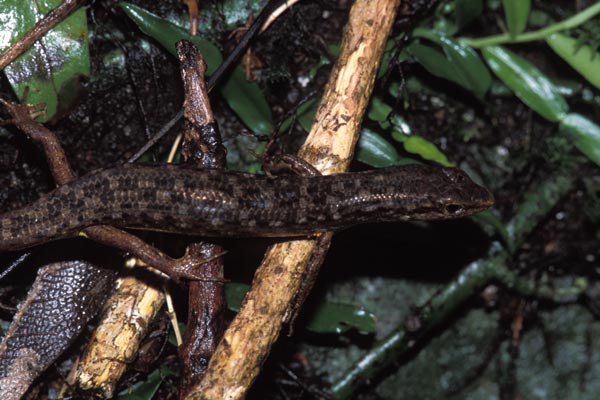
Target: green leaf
{"points": [[248, 102], [305, 114], [434, 61], [379, 111], [386, 57], [243, 96], [234, 295], [52, 69], [307, 118], [527, 82], [419, 145], [585, 135], [172, 339], [400, 128], [467, 11], [338, 318], [459, 62], [168, 34], [516, 13], [323, 60], [374, 150], [146, 390], [584, 59]]}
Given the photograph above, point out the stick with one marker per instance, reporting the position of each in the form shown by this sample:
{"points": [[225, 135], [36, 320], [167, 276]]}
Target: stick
{"points": [[39, 29], [329, 147]]}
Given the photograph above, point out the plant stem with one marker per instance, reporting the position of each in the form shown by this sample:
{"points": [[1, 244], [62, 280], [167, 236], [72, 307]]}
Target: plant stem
{"points": [[541, 34], [534, 208]]}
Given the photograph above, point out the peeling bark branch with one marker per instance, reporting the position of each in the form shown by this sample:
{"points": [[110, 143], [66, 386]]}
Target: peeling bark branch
{"points": [[329, 147], [115, 342]]}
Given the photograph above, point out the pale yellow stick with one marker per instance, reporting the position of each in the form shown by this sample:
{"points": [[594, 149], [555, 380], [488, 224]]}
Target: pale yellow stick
{"points": [[246, 344]]}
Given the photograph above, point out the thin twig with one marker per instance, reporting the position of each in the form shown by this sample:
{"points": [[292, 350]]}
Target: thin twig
{"points": [[39, 29], [239, 49], [276, 13]]}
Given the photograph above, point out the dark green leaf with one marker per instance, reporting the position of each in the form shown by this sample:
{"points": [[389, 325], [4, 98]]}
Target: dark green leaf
{"points": [[379, 111], [248, 102], [434, 61], [307, 118], [244, 97], [168, 34], [387, 56], [467, 11], [539, 19], [516, 13], [585, 135], [337, 318], [584, 59], [172, 339], [446, 25], [460, 63], [374, 150], [323, 60], [146, 390], [527, 82], [304, 115], [234, 295], [52, 70]]}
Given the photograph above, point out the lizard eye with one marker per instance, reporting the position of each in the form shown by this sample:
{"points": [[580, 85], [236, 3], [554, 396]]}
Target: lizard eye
{"points": [[454, 209]]}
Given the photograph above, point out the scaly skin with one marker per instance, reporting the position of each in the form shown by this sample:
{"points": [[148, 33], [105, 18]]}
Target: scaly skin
{"points": [[218, 203]]}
